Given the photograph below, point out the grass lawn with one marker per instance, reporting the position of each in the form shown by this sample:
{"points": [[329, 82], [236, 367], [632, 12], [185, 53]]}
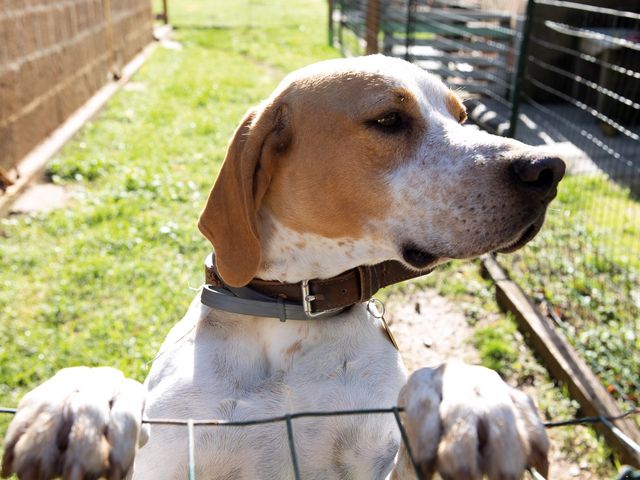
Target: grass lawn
{"points": [[101, 281], [586, 263]]}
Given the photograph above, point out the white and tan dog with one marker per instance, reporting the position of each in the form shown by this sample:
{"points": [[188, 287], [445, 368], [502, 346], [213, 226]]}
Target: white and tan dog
{"points": [[349, 162]]}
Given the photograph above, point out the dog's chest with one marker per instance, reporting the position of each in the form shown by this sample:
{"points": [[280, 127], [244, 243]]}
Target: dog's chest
{"points": [[231, 374]]}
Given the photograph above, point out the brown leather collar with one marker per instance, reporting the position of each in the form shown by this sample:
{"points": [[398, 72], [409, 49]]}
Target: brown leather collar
{"points": [[320, 295]]}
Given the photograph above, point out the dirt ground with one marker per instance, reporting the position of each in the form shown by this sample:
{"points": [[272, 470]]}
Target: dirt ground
{"points": [[431, 329], [40, 196]]}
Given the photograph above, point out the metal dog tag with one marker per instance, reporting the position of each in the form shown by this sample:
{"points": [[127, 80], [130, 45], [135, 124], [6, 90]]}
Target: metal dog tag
{"points": [[376, 308]]}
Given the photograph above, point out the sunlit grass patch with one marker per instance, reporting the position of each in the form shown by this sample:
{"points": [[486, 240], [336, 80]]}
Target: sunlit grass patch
{"points": [[101, 281]]}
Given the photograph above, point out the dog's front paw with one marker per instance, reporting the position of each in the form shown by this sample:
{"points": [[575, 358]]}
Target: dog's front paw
{"points": [[464, 422], [82, 423]]}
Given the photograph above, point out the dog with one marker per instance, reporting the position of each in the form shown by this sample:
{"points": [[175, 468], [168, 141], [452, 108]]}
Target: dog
{"points": [[350, 164]]}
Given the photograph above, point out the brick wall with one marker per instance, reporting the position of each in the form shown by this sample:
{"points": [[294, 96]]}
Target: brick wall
{"points": [[54, 54]]}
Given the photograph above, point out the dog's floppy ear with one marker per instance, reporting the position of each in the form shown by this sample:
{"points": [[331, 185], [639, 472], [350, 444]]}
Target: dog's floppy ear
{"points": [[229, 219]]}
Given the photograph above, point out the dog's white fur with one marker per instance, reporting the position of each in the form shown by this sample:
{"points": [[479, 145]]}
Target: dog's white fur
{"points": [[447, 197]]}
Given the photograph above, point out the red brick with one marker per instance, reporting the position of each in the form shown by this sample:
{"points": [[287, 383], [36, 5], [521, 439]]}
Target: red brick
{"points": [[34, 125], [7, 155], [4, 43], [29, 35], [76, 64], [25, 75], [8, 93], [43, 75]]}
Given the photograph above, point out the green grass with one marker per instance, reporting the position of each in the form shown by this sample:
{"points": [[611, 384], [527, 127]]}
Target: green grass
{"points": [[101, 281], [586, 263], [495, 346], [304, 15]]}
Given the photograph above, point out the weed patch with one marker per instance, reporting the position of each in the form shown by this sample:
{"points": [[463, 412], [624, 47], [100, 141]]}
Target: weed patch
{"points": [[495, 346]]}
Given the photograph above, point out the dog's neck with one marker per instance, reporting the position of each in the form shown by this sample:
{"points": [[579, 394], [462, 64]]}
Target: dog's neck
{"points": [[290, 256]]}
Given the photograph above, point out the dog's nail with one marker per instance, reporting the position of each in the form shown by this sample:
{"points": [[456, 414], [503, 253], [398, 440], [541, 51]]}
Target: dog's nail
{"points": [[75, 473], [7, 463], [30, 472], [116, 473]]}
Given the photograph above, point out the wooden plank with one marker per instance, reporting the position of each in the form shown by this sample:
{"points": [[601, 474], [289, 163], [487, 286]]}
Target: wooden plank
{"points": [[442, 29], [165, 12], [464, 76], [481, 61], [465, 15], [430, 24], [472, 15], [462, 4], [456, 45], [563, 362]]}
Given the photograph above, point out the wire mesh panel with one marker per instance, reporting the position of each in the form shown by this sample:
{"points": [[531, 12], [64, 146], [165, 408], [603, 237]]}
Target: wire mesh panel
{"points": [[565, 74], [190, 424], [469, 47], [371, 27], [581, 90]]}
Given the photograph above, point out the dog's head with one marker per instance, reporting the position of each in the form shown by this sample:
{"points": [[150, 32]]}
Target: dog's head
{"points": [[373, 147]]}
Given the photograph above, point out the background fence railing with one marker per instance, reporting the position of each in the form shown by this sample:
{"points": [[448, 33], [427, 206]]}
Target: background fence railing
{"points": [[559, 73], [471, 48]]}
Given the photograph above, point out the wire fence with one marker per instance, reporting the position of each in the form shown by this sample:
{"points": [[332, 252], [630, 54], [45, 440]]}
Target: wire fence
{"points": [[580, 85], [547, 72], [470, 48], [191, 424]]}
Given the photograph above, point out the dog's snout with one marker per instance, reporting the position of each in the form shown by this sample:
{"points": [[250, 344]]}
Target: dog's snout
{"points": [[538, 174]]}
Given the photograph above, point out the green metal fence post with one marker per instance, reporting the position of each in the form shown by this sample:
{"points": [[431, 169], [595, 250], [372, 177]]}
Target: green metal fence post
{"points": [[520, 67], [331, 5], [165, 12], [409, 30], [340, 25]]}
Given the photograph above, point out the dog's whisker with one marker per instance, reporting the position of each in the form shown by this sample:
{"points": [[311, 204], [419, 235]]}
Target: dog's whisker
{"points": [[195, 289]]}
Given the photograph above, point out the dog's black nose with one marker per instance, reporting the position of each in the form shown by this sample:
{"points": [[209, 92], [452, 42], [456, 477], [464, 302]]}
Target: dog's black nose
{"points": [[539, 175]]}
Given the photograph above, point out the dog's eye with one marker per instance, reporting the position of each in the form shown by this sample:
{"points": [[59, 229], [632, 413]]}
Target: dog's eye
{"points": [[389, 122]]}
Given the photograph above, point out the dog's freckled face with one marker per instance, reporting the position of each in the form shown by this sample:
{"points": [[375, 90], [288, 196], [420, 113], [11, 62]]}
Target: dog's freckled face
{"points": [[367, 158]]}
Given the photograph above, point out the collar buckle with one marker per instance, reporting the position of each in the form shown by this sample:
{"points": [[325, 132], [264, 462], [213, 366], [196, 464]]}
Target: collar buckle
{"points": [[307, 298]]}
